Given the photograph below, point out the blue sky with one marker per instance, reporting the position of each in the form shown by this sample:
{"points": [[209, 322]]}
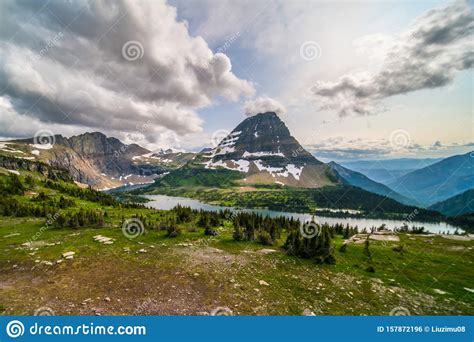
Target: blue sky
{"points": [[373, 79], [441, 114]]}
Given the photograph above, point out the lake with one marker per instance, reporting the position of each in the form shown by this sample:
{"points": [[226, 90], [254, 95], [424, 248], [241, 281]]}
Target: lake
{"points": [[169, 202]]}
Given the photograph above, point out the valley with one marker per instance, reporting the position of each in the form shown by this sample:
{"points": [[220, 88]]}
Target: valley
{"points": [[261, 227], [84, 258]]}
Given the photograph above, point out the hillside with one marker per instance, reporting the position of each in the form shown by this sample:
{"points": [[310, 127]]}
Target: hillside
{"points": [[386, 171], [79, 249], [439, 181], [358, 179], [457, 205], [95, 159]]}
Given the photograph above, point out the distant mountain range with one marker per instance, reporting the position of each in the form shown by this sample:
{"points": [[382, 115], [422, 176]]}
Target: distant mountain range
{"points": [[387, 171], [439, 181], [457, 205], [358, 179]]}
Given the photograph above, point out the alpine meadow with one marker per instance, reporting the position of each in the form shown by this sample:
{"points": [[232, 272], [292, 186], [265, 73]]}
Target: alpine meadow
{"points": [[236, 158]]}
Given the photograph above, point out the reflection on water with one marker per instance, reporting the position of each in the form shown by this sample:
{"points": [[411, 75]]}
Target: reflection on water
{"points": [[169, 202]]}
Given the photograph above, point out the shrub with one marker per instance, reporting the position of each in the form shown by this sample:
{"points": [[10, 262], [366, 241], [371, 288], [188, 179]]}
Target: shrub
{"points": [[398, 249], [238, 234], [265, 238], [173, 230], [370, 269], [210, 231]]}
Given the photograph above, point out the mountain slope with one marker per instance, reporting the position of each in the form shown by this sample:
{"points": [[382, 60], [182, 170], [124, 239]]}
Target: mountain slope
{"points": [[439, 181], [260, 165], [358, 179], [392, 164], [388, 171], [95, 159], [260, 150], [457, 205]]}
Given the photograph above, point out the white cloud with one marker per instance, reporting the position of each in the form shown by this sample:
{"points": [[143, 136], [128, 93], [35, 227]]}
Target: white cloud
{"points": [[63, 63], [263, 105], [438, 45], [342, 148]]}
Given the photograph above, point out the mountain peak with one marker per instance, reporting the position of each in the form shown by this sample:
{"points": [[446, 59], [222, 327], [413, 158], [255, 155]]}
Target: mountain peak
{"points": [[263, 148], [263, 114], [263, 136]]}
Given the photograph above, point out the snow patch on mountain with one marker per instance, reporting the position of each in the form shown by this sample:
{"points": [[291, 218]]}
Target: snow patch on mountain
{"points": [[241, 165], [4, 147], [43, 146], [224, 150], [262, 154], [292, 169]]}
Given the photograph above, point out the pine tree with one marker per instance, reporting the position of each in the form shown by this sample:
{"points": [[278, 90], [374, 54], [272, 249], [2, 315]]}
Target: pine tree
{"points": [[366, 248], [237, 235]]}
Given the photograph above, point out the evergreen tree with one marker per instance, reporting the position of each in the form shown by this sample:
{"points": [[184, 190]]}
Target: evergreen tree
{"points": [[366, 247]]}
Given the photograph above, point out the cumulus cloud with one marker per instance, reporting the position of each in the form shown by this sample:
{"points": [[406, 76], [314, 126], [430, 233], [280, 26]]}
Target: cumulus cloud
{"points": [[263, 105], [341, 148], [128, 67], [438, 45]]}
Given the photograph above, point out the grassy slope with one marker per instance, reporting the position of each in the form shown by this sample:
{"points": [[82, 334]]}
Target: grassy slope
{"points": [[188, 280], [175, 279]]}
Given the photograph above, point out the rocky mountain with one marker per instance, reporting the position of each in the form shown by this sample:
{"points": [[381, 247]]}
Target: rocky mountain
{"points": [[439, 181], [457, 205], [95, 159], [358, 179], [262, 149], [261, 165]]}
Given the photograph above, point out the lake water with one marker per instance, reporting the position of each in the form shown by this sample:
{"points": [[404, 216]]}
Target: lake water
{"points": [[169, 202]]}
